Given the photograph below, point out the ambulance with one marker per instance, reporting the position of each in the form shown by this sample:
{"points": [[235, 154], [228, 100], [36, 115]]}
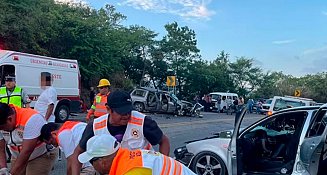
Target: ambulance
{"points": [[28, 68]]}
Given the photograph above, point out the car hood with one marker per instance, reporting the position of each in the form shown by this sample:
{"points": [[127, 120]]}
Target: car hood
{"points": [[223, 134]]}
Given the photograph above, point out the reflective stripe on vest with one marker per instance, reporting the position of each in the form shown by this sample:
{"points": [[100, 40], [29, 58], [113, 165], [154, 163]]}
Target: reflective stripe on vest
{"points": [[16, 137], [133, 137], [125, 160], [14, 98], [99, 105], [68, 125]]}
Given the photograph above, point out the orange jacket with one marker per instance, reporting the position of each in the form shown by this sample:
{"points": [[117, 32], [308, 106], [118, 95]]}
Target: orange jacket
{"points": [[99, 106], [125, 160], [68, 125], [15, 141]]}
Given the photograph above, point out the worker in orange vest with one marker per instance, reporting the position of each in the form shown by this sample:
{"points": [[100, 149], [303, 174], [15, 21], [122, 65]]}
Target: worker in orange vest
{"points": [[20, 129], [99, 105], [67, 136], [106, 156]]}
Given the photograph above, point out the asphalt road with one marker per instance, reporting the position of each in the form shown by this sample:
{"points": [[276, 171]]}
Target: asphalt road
{"points": [[180, 129]]}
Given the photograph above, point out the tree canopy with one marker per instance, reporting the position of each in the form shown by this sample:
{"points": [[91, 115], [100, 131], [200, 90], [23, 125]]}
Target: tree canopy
{"points": [[134, 55]]}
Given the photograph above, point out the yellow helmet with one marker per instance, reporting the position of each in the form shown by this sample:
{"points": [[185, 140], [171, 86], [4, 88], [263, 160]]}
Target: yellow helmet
{"points": [[103, 82]]}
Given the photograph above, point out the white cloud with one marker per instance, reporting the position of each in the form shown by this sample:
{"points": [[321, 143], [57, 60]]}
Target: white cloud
{"points": [[188, 9], [315, 51], [284, 41]]}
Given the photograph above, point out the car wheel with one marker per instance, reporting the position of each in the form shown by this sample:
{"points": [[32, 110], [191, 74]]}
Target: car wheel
{"points": [[208, 163], [62, 114], [139, 106]]}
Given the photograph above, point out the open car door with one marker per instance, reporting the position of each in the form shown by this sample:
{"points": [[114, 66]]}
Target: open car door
{"points": [[232, 160], [313, 154]]}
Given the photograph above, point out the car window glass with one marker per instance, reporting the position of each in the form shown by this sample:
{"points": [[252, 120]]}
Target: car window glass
{"points": [[214, 96], [234, 97], [139, 93], [283, 124], [318, 125], [284, 104], [151, 97]]}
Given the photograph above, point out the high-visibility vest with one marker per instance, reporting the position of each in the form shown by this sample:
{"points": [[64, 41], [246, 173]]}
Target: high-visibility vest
{"points": [[15, 138], [133, 137], [68, 125], [14, 98], [72, 127], [125, 160], [99, 105]]}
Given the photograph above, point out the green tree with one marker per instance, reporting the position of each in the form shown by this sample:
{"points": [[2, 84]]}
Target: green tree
{"points": [[245, 76], [179, 48]]}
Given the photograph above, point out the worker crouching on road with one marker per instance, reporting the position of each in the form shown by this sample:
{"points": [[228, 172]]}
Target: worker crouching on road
{"points": [[20, 129], [67, 136], [99, 105], [132, 129], [105, 154]]}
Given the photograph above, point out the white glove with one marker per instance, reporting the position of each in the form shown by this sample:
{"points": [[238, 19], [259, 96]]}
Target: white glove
{"points": [[4, 171]]}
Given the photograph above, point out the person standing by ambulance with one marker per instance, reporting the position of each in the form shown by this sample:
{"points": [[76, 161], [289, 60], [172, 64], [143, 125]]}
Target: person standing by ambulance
{"points": [[12, 94], [99, 105], [20, 129], [46, 101]]}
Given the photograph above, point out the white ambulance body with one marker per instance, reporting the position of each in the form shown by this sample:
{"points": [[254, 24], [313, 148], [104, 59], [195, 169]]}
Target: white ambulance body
{"points": [[28, 68]]}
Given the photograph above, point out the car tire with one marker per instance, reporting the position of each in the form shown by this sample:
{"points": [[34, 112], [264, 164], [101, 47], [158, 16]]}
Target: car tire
{"points": [[139, 106], [62, 114], [208, 163]]}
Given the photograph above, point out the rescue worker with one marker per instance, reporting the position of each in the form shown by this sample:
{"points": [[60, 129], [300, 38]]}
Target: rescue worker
{"points": [[67, 136], [99, 105], [105, 154], [20, 129], [133, 129], [12, 94]]}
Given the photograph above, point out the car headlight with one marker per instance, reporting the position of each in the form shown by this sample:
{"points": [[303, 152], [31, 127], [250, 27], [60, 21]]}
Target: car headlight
{"points": [[179, 152], [182, 155]]}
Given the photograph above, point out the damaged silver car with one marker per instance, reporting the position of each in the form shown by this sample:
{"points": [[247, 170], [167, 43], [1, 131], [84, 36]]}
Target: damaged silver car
{"points": [[153, 100], [291, 141]]}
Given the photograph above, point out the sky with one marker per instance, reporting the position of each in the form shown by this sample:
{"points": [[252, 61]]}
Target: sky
{"points": [[280, 35]]}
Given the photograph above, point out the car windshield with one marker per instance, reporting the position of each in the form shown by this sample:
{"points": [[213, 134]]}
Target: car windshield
{"points": [[284, 104], [268, 101]]}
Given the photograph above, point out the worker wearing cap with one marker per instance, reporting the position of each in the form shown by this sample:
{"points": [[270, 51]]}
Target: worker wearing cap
{"points": [[107, 157], [12, 94], [132, 129], [99, 105], [20, 129], [67, 136]]}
